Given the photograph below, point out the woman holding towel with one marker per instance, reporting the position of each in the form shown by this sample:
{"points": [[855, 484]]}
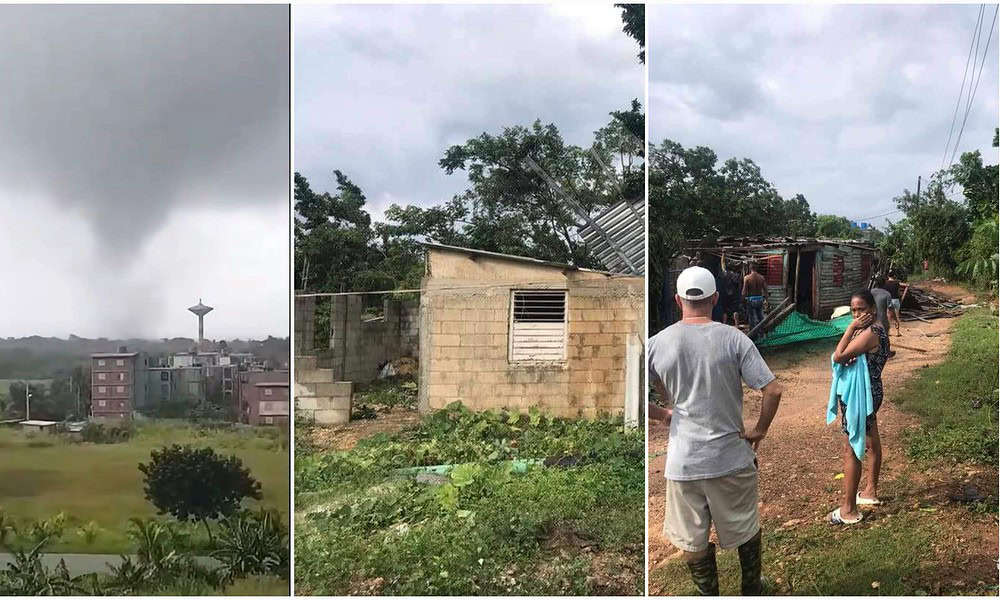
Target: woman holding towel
{"points": [[864, 337]]}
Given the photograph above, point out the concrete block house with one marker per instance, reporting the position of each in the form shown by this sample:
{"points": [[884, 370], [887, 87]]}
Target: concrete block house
{"points": [[491, 331], [509, 332]]}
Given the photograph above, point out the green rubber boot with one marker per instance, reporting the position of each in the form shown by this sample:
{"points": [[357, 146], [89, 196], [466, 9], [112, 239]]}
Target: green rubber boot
{"points": [[751, 582], [705, 573]]}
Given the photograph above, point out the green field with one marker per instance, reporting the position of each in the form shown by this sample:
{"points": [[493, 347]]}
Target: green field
{"points": [[500, 522], [42, 475]]}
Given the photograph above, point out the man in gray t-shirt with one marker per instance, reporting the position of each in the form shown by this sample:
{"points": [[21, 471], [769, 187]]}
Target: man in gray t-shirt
{"points": [[711, 469]]}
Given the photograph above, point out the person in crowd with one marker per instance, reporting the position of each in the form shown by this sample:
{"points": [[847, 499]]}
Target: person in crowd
{"points": [[754, 292]]}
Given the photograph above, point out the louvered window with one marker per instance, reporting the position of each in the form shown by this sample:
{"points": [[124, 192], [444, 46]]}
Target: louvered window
{"points": [[538, 325]]}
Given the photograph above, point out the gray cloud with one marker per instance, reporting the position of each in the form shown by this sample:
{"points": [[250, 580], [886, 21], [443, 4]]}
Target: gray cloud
{"points": [[844, 104], [382, 91], [124, 121]]}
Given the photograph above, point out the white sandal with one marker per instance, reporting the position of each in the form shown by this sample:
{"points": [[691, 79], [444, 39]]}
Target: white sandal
{"points": [[836, 519], [866, 501]]}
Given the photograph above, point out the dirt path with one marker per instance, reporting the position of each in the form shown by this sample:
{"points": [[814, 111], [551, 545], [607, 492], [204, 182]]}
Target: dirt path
{"points": [[802, 454], [345, 437]]}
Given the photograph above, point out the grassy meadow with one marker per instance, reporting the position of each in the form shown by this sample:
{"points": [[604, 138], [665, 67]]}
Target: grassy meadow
{"points": [[42, 475]]}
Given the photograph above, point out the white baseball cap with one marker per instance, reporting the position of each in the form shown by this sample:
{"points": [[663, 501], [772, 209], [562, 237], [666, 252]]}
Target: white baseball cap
{"points": [[695, 283]]}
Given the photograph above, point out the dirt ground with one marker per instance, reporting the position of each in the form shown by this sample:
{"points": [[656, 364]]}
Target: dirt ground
{"points": [[345, 437], [801, 455]]}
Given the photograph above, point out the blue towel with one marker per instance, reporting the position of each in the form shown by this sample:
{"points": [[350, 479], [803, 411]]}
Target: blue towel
{"points": [[854, 387]]}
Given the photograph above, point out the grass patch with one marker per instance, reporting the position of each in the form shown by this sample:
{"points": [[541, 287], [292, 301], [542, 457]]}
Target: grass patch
{"points": [[956, 400], [98, 487], [384, 395], [820, 560], [485, 528]]}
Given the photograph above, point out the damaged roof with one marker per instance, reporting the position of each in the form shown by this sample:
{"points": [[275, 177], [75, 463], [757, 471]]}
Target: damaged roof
{"points": [[767, 242]]}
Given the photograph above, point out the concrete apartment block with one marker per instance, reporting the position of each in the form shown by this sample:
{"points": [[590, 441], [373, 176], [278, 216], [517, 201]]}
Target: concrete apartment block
{"points": [[466, 325]]}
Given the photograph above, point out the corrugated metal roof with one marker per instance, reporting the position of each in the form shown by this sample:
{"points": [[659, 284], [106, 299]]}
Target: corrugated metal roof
{"points": [[617, 237]]}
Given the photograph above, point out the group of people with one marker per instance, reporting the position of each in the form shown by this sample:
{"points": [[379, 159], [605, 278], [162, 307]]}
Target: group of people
{"points": [[740, 295], [698, 366]]}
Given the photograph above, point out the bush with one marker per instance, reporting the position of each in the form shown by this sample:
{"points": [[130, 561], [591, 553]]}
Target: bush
{"points": [[27, 576], [252, 543], [97, 433], [196, 483]]}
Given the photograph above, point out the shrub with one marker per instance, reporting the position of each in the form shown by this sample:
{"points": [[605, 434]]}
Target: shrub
{"points": [[89, 532], [196, 483], [27, 576], [97, 433], [252, 543]]}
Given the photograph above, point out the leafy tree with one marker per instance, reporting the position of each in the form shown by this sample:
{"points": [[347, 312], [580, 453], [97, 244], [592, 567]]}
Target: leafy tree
{"points": [[521, 184], [196, 483], [835, 227], [978, 257], [939, 225], [979, 185], [634, 19], [332, 235]]}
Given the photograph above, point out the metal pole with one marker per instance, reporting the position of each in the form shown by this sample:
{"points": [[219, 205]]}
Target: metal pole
{"points": [[27, 401]]}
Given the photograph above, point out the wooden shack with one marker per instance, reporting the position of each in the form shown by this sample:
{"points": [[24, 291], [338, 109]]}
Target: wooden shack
{"points": [[818, 274]]}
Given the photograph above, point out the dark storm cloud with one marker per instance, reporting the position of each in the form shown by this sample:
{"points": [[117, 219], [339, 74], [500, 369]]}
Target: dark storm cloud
{"points": [[120, 122], [382, 91], [844, 104], [126, 113]]}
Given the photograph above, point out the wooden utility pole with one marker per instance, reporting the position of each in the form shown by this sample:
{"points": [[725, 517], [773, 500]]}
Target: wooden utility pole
{"points": [[918, 187]]}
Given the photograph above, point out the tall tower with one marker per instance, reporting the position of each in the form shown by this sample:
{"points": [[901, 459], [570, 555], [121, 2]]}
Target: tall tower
{"points": [[201, 310]]}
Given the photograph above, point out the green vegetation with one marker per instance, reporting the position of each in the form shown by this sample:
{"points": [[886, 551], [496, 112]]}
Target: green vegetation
{"points": [[487, 526], [956, 400], [958, 237], [98, 487], [384, 395], [890, 559], [175, 479], [163, 564]]}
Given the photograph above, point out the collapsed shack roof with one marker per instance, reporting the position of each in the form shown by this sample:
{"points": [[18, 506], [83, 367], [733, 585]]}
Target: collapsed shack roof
{"points": [[751, 243]]}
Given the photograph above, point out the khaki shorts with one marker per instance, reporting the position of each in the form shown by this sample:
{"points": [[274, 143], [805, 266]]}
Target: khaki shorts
{"points": [[730, 502]]}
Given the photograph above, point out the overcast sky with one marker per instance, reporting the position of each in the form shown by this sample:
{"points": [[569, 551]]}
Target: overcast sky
{"points": [[382, 91], [144, 164], [846, 105]]}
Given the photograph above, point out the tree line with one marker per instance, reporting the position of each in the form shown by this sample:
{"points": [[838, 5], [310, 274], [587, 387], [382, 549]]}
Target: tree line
{"points": [[528, 191], [693, 196]]}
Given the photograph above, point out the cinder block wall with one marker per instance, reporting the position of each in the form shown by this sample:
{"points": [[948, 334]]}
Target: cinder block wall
{"points": [[358, 347], [305, 324], [464, 338]]}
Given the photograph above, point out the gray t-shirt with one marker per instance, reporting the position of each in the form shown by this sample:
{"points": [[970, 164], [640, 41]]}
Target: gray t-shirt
{"points": [[882, 300], [701, 367]]}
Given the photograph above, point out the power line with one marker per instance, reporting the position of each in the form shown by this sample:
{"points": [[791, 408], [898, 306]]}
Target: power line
{"points": [[961, 91], [968, 107]]}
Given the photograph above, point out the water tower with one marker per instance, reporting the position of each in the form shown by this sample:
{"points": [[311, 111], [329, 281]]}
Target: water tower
{"points": [[201, 310]]}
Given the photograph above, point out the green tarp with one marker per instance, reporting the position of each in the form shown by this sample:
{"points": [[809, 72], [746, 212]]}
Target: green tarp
{"points": [[799, 328]]}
